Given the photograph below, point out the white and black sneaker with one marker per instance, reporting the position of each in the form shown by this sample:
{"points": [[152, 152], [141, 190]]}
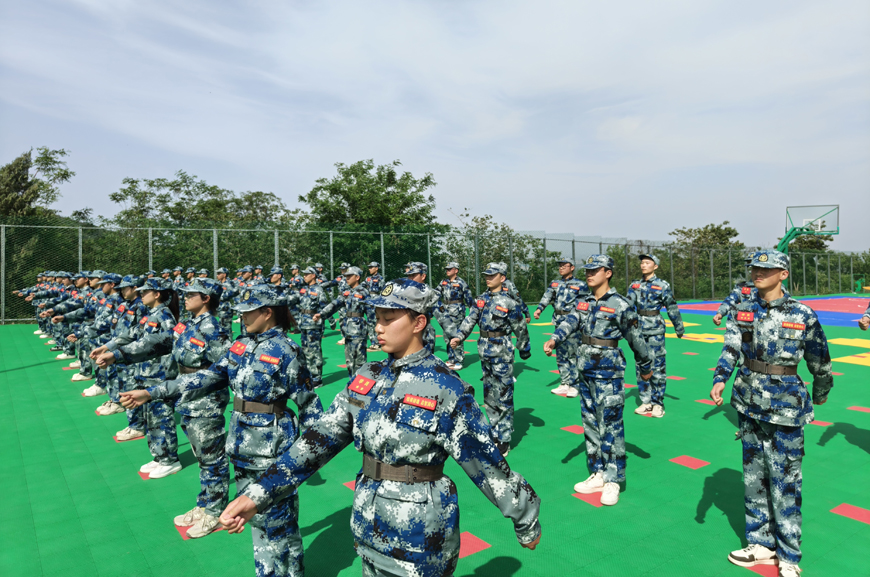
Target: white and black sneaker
{"points": [[753, 555]]}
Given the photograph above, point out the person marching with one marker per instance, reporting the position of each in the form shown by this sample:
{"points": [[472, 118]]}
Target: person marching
{"points": [[264, 369], [353, 302], [864, 323], [455, 296], [498, 316], [741, 292], [649, 295], [511, 289], [309, 301], [374, 283], [564, 293], [602, 318], [770, 333], [228, 293], [417, 272], [408, 414]]}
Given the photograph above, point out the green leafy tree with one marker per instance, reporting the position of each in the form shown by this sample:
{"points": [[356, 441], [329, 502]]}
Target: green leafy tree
{"points": [[693, 250], [28, 186]]}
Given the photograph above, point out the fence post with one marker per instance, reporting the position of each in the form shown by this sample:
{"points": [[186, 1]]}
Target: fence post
{"points": [[276, 247], [673, 286], [574, 251], [730, 277], [511, 251], [3, 273], [804, 266], [852, 274], [816, 259], [545, 261], [829, 273], [476, 265], [839, 272], [712, 280], [150, 249], [214, 251], [80, 251], [627, 280], [331, 269], [383, 262], [429, 258], [694, 291]]}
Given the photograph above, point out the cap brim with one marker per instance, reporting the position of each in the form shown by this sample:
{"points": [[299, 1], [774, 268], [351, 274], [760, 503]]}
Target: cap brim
{"points": [[244, 308], [768, 264], [595, 265]]}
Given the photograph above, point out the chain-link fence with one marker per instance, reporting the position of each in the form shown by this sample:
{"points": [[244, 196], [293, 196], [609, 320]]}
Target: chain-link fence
{"points": [[531, 257]]}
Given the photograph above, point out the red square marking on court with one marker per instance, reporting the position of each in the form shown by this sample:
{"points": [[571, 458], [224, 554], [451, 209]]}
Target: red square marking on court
{"points": [[183, 531], [852, 512], [469, 544], [593, 499], [438, 336], [837, 374], [690, 462], [128, 440], [557, 372], [350, 485], [548, 334], [721, 329], [690, 354], [70, 369], [705, 402], [343, 366], [861, 409], [469, 341], [627, 386], [765, 570], [145, 476], [673, 378], [713, 369], [821, 423], [574, 429]]}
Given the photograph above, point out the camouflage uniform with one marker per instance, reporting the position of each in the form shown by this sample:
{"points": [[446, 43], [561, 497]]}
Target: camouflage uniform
{"points": [[511, 289], [410, 415], [264, 369], [455, 296], [602, 365], [353, 302], [126, 332], [225, 308], [564, 295], [771, 338], [649, 297], [742, 291], [309, 301], [498, 316], [437, 310], [83, 314], [373, 283]]}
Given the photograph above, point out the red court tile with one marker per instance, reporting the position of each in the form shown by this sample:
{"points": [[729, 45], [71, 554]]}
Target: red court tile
{"points": [[469, 544], [99, 415], [183, 531], [136, 439], [350, 485], [673, 378], [574, 429], [720, 329], [705, 402], [765, 570], [557, 372], [438, 336], [837, 374], [713, 369], [690, 354], [550, 334], [70, 369], [852, 512], [343, 366], [593, 499], [690, 462], [627, 386], [470, 341], [861, 409], [821, 423], [145, 476]]}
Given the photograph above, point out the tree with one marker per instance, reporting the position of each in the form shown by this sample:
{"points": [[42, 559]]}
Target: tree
{"points": [[699, 251], [29, 186]]}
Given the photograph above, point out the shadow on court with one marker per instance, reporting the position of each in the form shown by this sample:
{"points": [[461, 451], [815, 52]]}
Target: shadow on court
{"points": [[500, 566], [523, 421], [724, 491], [332, 550]]}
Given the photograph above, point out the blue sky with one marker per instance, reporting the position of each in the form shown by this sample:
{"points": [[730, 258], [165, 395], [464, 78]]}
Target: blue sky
{"points": [[615, 119]]}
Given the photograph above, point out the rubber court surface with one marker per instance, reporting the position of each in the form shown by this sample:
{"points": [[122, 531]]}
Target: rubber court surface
{"points": [[74, 503]]}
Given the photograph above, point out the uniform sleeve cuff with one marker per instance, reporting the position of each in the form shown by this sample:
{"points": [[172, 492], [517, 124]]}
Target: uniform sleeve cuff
{"points": [[529, 535], [258, 495]]}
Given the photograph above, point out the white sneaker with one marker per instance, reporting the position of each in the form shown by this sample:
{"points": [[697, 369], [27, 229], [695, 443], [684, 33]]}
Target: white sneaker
{"points": [[658, 411], [560, 390], [43, 336], [189, 518], [610, 495], [789, 570], [149, 466], [75, 365], [38, 332], [644, 409], [457, 366], [572, 392], [753, 555], [164, 470], [50, 342], [110, 408], [81, 377], [341, 342], [207, 524], [593, 484], [128, 434], [64, 357], [94, 391]]}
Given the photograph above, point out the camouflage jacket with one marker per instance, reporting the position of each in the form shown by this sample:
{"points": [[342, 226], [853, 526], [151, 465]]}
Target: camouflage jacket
{"points": [[201, 341], [563, 294], [781, 332], [408, 411], [374, 283], [743, 291], [653, 295], [510, 288], [352, 302], [151, 352], [455, 296], [263, 368], [84, 314], [125, 322], [496, 312], [611, 318], [77, 300], [103, 320], [308, 301]]}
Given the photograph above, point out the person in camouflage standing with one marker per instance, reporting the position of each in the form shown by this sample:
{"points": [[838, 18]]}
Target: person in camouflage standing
{"points": [[498, 316], [511, 289], [258, 275], [353, 302], [648, 296], [80, 314], [417, 272], [265, 369], [455, 296], [770, 333], [564, 292], [225, 308], [373, 283], [864, 323], [602, 317], [408, 414], [742, 291], [307, 302]]}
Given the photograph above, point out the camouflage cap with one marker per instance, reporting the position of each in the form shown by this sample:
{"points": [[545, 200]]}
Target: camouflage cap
{"points": [[155, 284], [177, 269], [403, 293], [417, 268], [166, 271], [318, 265], [770, 258], [128, 281], [206, 286], [749, 258], [222, 269], [202, 271], [97, 274], [150, 272], [566, 260], [309, 270], [78, 275], [451, 264], [374, 264], [189, 270], [110, 277], [344, 265], [259, 296], [598, 261], [495, 268], [294, 266], [62, 274], [276, 270], [247, 268], [651, 257], [353, 270], [259, 266]]}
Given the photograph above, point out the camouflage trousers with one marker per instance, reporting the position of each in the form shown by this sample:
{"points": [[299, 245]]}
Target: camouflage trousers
{"points": [[68, 347], [498, 394], [568, 362], [225, 318], [602, 403], [114, 385], [87, 365], [312, 348], [355, 354], [160, 428], [454, 355], [208, 440], [135, 417], [278, 548], [653, 391], [772, 456]]}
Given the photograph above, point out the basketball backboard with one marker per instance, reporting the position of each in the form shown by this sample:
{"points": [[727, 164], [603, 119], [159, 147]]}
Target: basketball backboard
{"points": [[819, 219]]}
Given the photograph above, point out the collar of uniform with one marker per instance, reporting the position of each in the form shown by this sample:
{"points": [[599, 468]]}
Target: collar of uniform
{"points": [[775, 303], [411, 359], [606, 295], [270, 334], [653, 278], [157, 308], [198, 319]]}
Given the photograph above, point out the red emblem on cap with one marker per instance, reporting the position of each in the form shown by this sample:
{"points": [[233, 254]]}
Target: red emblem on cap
{"points": [[179, 328], [197, 342], [746, 317], [238, 348], [422, 402], [270, 360], [361, 385]]}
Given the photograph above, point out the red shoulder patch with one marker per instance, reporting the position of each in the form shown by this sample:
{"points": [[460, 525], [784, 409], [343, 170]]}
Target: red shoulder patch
{"points": [[368, 279], [110, 306], [122, 308], [302, 291], [421, 402], [179, 328], [361, 385], [795, 326], [346, 293], [582, 306], [143, 321], [102, 301], [607, 310], [504, 288], [635, 286], [746, 290], [481, 303], [554, 284], [745, 317], [574, 287], [152, 324], [501, 309], [270, 360], [238, 348], [131, 312], [444, 282], [197, 342], [359, 296]]}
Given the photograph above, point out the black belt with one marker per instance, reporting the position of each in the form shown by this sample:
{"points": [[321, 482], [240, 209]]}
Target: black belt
{"points": [[559, 312], [453, 302], [769, 369], [648, 313], [380, 471], [598, 342], [252, 407], [491, 334], [190, 370], [354, 315]]}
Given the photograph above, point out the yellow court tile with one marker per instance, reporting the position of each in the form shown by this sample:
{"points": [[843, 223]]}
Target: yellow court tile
{"points": [[670, 324], [863, 343], [699, 337], [860, 359]]}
